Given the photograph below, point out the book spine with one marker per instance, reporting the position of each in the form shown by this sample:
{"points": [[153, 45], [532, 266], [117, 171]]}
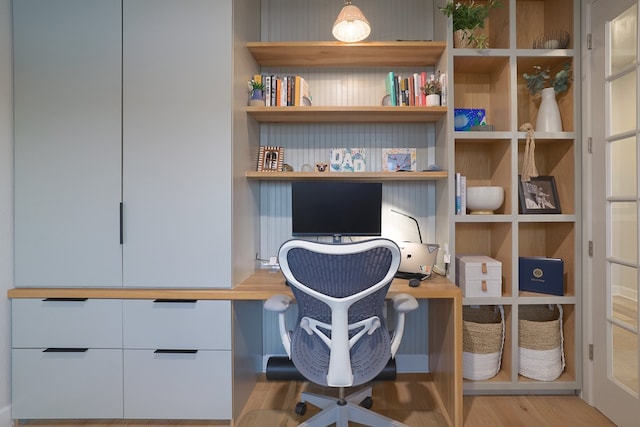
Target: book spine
{"points": [[457, 207], [390, 88], [463, 195], [416, 90], [443, 85], [423, 83], [296, 91], [396, 86], [410, 90], [267, 94]]}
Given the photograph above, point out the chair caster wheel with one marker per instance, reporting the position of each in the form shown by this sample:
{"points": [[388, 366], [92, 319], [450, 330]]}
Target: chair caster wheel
{"points": [[367, 402], [301, 408]]}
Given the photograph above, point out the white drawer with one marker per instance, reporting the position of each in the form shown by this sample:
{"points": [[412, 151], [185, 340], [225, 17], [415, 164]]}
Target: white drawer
{"points": [[177, 324], [177, 385], [80, 384], [66, 323]]}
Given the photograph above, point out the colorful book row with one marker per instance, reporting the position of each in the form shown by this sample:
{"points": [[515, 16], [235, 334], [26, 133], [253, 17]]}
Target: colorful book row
{"points": [[286, 91]]}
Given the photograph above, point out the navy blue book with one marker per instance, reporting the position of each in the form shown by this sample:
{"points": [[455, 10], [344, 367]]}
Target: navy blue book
{"points": [[541, 274]]}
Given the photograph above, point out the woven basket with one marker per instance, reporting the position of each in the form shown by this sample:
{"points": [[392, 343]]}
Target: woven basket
{"points": [[482, 341], [541, 342]]}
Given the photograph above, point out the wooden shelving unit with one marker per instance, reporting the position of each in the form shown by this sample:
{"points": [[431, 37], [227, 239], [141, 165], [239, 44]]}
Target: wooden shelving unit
{"points": [[445, 367], [359, 114], [341, 176], [492, 79], [338, 54]]}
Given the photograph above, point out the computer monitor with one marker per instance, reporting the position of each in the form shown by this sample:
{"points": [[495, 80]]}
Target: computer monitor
{"points": [[330, 208]]}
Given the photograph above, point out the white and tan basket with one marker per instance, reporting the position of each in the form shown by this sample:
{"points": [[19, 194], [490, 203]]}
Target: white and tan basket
{"points": [[482, 341], [541, 342]]}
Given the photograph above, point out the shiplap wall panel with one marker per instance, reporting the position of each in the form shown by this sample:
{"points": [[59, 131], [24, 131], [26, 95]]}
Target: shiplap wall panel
{"points": [[311, 20]]}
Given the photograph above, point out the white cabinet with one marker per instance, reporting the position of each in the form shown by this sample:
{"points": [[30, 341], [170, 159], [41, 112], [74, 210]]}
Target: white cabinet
{"points": [[113, 358], [67, 79], [177, 142], [123, 101], [67, 358], [177, 359], [66, 383]]}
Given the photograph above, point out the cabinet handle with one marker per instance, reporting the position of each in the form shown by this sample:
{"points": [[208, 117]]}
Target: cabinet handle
{"points": [[66, 299], [64, 350], [121, 221], [172, 300], [175, 351]]}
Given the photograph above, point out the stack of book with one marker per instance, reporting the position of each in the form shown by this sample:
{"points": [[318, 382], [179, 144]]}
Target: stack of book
{"points": [[286, 91], [461, 194], [406, 91]]}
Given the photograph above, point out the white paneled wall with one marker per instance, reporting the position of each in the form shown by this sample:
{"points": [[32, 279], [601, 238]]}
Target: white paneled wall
{"points": [[311, 20]]}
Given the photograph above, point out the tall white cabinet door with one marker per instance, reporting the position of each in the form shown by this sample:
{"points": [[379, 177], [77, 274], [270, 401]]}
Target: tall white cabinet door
{"points": [[177, 130], [67, 79]]}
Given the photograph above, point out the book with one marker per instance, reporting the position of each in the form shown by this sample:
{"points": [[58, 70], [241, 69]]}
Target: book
{"points": [[301, 89], [267, 91], [463, 195], [541, 274], [457, 199], [423, 82], [443, 89], [390, 88]]}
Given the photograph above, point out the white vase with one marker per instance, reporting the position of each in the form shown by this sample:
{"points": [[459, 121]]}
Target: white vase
{"points": [[433, 100], [548, 119]]}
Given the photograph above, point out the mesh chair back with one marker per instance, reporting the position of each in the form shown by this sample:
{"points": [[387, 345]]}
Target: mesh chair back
{"points": [[340, 275]]}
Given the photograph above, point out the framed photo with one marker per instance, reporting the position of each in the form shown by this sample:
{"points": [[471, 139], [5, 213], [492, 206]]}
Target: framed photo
{"points": [[539, 196], [270, 159], [399, 160]]}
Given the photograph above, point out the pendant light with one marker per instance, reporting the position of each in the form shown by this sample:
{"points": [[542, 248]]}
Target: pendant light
{"points": [[351, 25]]}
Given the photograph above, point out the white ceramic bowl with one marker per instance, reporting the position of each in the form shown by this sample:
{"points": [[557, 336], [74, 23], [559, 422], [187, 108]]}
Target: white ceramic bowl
{"points": [[484, 200]]}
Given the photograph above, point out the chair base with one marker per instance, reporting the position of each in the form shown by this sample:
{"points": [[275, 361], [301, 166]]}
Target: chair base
{"points": [[340, 413]]}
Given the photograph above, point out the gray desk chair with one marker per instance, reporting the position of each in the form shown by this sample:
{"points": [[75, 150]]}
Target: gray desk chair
{"points": [[340, 338]]}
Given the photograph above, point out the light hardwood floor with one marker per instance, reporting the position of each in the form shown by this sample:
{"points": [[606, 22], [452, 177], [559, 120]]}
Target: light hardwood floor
{"points": [[409, 399]]}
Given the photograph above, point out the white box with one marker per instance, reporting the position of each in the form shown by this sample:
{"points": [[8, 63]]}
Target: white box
{"points": [[479, 276]]}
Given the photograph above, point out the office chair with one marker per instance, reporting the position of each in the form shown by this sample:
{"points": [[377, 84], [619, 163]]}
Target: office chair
{"points": [[340, 339]]}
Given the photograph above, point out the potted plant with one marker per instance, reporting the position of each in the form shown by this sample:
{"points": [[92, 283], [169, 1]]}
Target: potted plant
{"points": [[432, 89], [256, 90], [467, 18], [541, 81]]}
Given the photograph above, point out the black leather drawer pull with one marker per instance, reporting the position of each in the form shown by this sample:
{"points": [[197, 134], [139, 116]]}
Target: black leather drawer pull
{"points": [[65, 299], [64, 350], [175, 351], [175, 300]]}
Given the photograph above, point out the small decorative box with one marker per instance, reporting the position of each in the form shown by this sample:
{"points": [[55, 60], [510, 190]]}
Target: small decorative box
{"points": [[479, 276], [465, 118]]}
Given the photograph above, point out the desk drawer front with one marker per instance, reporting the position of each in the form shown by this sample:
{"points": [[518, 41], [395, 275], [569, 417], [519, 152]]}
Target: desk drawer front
{"points": [[177, 385], [177, 324], [66, 323], [66, 384]]}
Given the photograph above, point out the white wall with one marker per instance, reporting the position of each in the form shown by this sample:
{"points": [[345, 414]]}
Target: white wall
{"points": [[6, 206]]}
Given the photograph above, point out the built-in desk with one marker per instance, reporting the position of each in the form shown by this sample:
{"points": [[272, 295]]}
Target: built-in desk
{"points": [[444, 326]]}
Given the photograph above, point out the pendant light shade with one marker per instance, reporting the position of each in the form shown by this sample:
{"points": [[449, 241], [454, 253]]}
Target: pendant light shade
{"points": [[351, 25]]}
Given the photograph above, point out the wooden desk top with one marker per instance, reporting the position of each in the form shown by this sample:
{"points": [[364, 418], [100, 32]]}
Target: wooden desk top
{"points": [[259, 286]]}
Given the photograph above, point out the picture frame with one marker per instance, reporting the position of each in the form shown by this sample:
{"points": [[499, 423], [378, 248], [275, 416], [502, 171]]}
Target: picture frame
{"points": [[270, 159], [399, 160], [539, 195]]}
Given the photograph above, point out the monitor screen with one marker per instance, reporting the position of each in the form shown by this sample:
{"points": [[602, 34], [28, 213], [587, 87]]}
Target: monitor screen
{"points": [[328, 208]]}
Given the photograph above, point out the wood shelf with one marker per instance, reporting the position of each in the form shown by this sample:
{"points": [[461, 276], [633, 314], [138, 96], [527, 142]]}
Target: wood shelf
{"points": [[347, 114], [338, 54], [350, 176]]}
